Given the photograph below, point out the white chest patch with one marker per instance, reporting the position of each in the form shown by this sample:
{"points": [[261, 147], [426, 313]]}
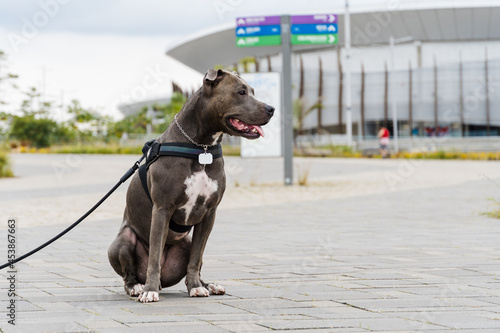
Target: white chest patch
{"points": [[216, 137], [198, 184]]}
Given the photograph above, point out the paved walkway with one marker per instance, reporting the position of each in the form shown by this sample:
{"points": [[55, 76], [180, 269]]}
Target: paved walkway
{"points": [[369, 245]]}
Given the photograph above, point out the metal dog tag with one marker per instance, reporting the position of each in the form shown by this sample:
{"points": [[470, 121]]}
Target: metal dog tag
{"points": [[205, 158]]}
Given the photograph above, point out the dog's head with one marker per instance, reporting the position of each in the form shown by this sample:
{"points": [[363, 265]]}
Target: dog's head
{"points": [[239, 113]]}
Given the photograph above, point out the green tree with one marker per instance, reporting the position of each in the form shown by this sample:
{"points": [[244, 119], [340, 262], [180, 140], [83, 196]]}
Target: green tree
{"points": [[5, 77], [32, 131], [87, 124], [137, 123], [167, 112], [34, 127], [245, 62], [79, 114], [299, 108], [300, 112], [5, 166], [29, 105]]}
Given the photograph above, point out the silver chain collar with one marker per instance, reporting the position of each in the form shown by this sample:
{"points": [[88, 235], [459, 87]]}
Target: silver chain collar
{"points": [[189, 138]]}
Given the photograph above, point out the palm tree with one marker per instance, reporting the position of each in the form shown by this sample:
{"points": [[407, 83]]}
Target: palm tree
{"points": [[300, 111]]}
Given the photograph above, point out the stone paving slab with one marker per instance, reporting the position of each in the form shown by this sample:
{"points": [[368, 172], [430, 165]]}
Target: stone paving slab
{"points": [[419, 257]]}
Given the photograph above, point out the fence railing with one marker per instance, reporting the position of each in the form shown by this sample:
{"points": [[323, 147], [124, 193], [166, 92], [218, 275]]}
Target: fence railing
{"points": [[430, 144], [447, 143]]}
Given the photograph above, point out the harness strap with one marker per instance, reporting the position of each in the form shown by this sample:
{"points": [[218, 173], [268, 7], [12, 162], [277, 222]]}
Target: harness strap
{"points": [[179, 227], [188, 150], [143, 175], [153, 150]]}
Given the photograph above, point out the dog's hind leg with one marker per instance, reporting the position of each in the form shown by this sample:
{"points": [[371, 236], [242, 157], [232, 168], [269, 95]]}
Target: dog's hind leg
{"points": [[122, 257]]}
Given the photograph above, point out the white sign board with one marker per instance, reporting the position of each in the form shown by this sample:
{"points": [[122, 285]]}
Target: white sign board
{"points": [[267, 88]]}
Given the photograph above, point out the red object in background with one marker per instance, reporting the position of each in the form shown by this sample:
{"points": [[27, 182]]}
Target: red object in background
{"points": [[385, 132], [437, 131]]}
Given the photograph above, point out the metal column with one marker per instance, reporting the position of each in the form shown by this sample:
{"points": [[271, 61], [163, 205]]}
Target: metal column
{"points": [[286, 73]]}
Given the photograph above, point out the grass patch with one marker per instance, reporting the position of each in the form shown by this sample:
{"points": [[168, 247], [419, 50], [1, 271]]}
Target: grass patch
{"points": [[303, 175], [345, 151], [495, 213], [95, 149], [451, 155], [231, 150], [83, 149], [105, 149], [327, 151]]}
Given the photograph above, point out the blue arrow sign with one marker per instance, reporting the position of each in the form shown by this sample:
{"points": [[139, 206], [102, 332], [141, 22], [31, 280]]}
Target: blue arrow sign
{"points": [[258, 30], [314, 29]]}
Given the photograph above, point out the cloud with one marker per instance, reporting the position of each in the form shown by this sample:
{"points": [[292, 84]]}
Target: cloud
{"points": [[98, 52], [147, 17], [100, 71]]}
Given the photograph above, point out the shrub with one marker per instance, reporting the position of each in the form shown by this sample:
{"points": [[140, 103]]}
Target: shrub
{"points": [[38, 132], [5, 169]]}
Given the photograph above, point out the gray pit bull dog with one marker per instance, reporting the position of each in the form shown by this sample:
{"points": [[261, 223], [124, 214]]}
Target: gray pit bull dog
{"points": [[146, 253]]}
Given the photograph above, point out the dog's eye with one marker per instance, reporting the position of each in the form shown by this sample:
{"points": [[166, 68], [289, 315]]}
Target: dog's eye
{"points": [[242, 92]]}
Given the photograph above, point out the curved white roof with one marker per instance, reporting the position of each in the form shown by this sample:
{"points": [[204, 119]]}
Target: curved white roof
{"points": [[426, 21]]}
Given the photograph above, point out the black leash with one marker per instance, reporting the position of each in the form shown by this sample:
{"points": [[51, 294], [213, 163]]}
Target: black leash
{"points": [[124, 178]]}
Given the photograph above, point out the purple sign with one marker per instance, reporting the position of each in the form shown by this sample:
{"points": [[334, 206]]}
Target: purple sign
{"points": [[319, 18], [257, 20]]}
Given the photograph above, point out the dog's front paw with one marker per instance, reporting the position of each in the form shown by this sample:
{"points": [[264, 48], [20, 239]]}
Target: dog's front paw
{"points": [[134, 290], [149, 296], [215, 289], [199, 292]]}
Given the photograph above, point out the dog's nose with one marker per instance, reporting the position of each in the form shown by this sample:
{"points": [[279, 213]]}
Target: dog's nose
{"points": [[270, 109]]}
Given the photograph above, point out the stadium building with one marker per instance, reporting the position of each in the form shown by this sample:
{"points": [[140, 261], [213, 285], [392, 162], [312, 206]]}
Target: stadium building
{"points": [[445, 78]]}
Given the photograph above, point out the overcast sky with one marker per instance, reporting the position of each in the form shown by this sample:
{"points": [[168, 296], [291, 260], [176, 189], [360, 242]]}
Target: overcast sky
{"points": [[113, 51]]}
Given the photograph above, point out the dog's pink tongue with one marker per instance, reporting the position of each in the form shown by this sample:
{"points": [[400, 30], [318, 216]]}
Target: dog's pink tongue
{"points": [[259, 129]]}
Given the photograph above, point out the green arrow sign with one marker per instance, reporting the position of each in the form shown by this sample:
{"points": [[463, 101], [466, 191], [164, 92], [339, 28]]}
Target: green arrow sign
{"points": [[315, 39], [258, 40]]}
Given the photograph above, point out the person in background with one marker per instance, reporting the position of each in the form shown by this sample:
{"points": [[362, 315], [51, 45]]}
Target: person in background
{"points": [[383, 137]]}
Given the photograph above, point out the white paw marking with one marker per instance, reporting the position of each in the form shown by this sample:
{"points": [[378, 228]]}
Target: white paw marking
{"points": [[215, 289], [200, 291], [198, 184], [137, 289], [149, 296]]}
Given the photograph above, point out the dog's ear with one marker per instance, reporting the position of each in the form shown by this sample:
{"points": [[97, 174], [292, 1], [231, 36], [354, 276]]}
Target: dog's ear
{"points": [[211, 79], [212, 75]]}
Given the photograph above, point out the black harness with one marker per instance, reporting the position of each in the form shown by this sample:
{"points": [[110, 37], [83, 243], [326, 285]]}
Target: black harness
{"points": [[153, 150]]}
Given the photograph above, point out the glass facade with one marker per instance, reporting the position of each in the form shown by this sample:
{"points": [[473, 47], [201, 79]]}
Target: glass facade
{"points": [[453, 99]]}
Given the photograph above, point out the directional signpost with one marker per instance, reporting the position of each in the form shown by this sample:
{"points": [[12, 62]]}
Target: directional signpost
{"points": [[286, 31], [314, 29], [258, 31]]}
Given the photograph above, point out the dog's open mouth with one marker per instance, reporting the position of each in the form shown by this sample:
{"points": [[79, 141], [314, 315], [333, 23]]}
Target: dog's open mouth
{"points": [[246, 130]]}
